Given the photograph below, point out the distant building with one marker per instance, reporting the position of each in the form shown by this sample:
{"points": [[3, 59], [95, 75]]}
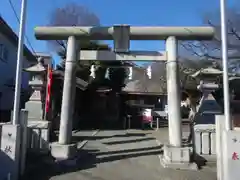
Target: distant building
{"points": [[8, 61]]}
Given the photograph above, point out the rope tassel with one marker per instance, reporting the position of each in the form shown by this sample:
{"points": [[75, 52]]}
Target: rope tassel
{"points": [[93, 71], [107, 74], [149, 72], [130, 73]]}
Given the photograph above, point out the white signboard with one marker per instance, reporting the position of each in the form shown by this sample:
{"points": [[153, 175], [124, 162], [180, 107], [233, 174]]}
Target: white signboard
{"points": [[232, 155], [9, 155]]}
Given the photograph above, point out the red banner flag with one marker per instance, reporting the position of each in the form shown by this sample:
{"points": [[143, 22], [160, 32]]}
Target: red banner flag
{"points": [[48, 94]]}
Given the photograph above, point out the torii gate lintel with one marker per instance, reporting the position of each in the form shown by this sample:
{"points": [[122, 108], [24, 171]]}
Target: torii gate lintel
{"points": [[128, 32]]}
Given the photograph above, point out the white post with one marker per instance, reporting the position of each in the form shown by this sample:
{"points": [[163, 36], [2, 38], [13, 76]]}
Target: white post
{"points": [[173, 89], [65, 131], [219, 146], [228, 121], [157, 124], [18, 79], [129, 122]]}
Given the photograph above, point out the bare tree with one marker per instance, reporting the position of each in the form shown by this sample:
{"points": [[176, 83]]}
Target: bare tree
{"points": [[73, 14], [211, 50], [187, 67]]}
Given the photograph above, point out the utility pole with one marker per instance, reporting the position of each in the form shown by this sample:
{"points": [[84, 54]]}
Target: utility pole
{"points": [[228, 122], [224, 164], [18, 79]]}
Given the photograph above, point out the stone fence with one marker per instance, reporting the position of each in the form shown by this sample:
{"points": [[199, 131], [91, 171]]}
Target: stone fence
{"points": [[205, 137], [205, 140], [38, 135]]}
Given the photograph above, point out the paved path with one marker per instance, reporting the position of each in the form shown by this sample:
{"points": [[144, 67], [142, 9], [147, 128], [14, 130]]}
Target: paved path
{"points": [[118, 155], [122, 155]]}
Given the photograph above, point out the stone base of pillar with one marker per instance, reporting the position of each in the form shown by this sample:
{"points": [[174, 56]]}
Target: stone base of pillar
{"points": [[177, 158], [63, 152]]}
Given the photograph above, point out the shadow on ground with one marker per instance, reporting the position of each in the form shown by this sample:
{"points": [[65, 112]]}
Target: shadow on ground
{"points": [[128, 141], [77, 138], [43, 167]]}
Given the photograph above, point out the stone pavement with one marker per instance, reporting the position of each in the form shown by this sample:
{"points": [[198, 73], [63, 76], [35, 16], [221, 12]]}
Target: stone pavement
{"points": [[120, 155]]}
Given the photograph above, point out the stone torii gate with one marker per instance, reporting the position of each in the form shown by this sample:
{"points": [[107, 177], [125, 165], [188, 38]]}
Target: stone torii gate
{"points": [[175, 155]]}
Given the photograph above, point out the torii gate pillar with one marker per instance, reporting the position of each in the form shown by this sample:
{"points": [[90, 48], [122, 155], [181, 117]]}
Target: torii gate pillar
{"points": [[175, 155], [69, 86], [173, 92]]}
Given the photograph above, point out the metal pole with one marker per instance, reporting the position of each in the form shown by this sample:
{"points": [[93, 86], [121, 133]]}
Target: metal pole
{"points": [[24, 128], [173, 89], [228, 121], [65, 131], [18, 79], [157, 124]]}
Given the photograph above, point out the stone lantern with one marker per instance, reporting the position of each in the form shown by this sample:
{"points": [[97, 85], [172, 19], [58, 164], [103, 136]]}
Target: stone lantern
{"points": [[208, 79], [208, 106], [204, 128], [35, 105]]}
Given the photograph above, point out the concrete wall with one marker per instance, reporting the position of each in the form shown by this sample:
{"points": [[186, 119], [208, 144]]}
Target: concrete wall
{"points": [[8, 72]]}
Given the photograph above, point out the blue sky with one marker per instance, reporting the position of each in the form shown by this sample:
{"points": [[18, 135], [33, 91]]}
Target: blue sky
{"points": [[132, 12]]}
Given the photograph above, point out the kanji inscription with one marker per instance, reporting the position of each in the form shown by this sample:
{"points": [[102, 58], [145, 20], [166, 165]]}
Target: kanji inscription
{"points": [[235, 156], [232, 140]]}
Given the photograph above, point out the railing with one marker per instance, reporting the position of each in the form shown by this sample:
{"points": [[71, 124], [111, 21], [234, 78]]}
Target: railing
{"points": [[205, 140], [205, 128], [38, 135]]}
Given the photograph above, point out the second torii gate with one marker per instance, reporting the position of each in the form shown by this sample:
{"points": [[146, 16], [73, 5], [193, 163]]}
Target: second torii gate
{"points": [[175, 155]]}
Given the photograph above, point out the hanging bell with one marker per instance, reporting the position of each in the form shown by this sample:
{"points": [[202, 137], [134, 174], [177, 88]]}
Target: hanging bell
{"points": [[149, 72], [93, 71], [130, 73]]}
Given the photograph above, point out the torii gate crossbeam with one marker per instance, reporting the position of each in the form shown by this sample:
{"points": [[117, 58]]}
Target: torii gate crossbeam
{"points": [[135, 33], [174, 153]]}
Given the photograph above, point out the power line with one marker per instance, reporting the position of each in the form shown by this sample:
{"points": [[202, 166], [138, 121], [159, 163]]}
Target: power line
{"points": [[15, 13]]}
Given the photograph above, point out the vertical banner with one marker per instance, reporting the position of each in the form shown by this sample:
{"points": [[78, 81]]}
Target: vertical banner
{"points": [[48, 93]]}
